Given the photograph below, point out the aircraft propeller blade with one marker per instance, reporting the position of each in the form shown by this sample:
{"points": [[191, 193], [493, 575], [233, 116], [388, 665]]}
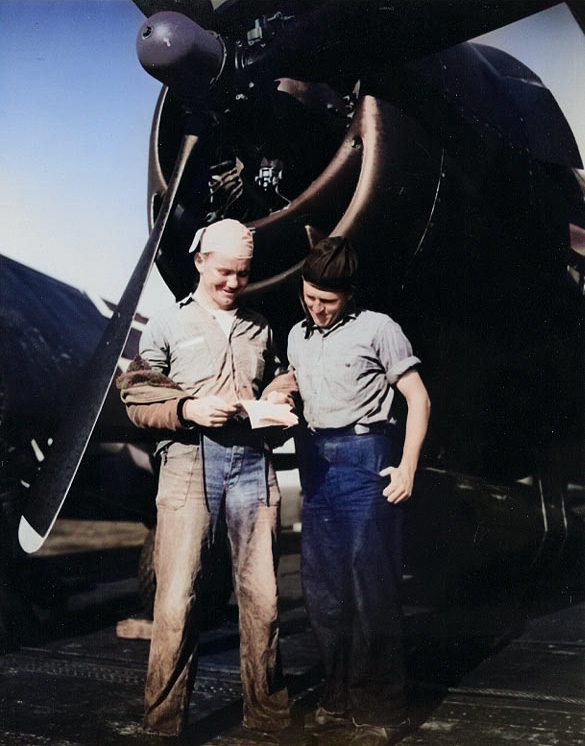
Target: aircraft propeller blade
{"points": [[58, 470]]}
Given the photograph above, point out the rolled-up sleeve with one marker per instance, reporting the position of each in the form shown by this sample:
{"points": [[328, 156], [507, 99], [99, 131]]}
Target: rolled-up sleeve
{"points": [[394, 350]]}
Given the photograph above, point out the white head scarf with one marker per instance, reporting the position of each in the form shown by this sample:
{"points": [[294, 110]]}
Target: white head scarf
{"points": [[227, 237]]}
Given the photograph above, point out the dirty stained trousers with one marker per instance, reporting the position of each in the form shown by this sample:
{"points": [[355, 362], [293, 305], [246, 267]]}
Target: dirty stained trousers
{"points": [[191, 511]]}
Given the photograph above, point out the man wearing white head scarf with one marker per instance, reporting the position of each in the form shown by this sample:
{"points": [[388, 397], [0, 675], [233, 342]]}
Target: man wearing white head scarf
{"points": [[199, 359]]}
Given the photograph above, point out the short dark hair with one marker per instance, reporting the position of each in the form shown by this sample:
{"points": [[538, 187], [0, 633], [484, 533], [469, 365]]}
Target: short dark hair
{"points": [[331, 264]]}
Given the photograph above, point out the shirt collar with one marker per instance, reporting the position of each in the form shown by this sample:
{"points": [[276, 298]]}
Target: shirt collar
{"points": [[239, 310], [350, 312]]}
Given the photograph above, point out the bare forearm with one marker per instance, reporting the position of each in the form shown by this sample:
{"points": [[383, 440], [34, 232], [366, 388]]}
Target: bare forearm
{"points": [[416, 429], [419, 408]]}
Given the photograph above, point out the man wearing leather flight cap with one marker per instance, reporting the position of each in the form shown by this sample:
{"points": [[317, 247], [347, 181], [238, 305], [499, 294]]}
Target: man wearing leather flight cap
{"points": [[349, 364], [199, 359]]}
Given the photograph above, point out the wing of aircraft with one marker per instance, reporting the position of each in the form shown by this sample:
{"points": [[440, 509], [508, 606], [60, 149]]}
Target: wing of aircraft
{"points": [[48, 332]]}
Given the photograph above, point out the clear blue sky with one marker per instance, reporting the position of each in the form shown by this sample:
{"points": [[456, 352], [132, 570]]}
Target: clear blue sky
{"points": [[75, 113], [75, 116]]}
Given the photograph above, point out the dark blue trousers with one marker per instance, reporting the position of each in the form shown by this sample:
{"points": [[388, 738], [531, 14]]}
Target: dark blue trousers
{"points": [[351, 574]]}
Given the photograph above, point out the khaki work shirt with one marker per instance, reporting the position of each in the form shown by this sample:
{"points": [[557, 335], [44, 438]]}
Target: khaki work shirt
{"points": [[187, 344]]}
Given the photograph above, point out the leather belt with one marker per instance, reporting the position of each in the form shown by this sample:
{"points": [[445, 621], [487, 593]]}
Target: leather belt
{"points": [[375, 428]]}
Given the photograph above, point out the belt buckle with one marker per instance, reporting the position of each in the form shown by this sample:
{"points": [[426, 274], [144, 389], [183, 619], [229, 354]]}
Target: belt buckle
{"points": [[361, 429]]}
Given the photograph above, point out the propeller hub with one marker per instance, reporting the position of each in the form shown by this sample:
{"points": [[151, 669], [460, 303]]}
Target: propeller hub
{"points": [[180, 54]]}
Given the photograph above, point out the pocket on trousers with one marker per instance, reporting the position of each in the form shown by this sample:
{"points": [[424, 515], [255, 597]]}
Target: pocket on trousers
{"points": [[179, 467]]}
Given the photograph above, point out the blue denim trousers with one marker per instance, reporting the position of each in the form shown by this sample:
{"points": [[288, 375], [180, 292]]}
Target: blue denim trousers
{"points": [[223, 485], [351, 574]]}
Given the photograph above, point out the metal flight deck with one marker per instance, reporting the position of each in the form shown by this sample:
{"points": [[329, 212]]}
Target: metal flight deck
{"points": [[503, 670]]}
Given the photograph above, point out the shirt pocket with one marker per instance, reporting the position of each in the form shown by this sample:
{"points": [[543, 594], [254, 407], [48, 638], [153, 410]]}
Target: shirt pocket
{"points": [[348, 374], [250, 359], [181, 476], [193, 361]]}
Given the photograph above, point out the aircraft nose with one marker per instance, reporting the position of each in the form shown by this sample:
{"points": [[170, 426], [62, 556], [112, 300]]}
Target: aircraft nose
{"points": [[180, 54]]}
